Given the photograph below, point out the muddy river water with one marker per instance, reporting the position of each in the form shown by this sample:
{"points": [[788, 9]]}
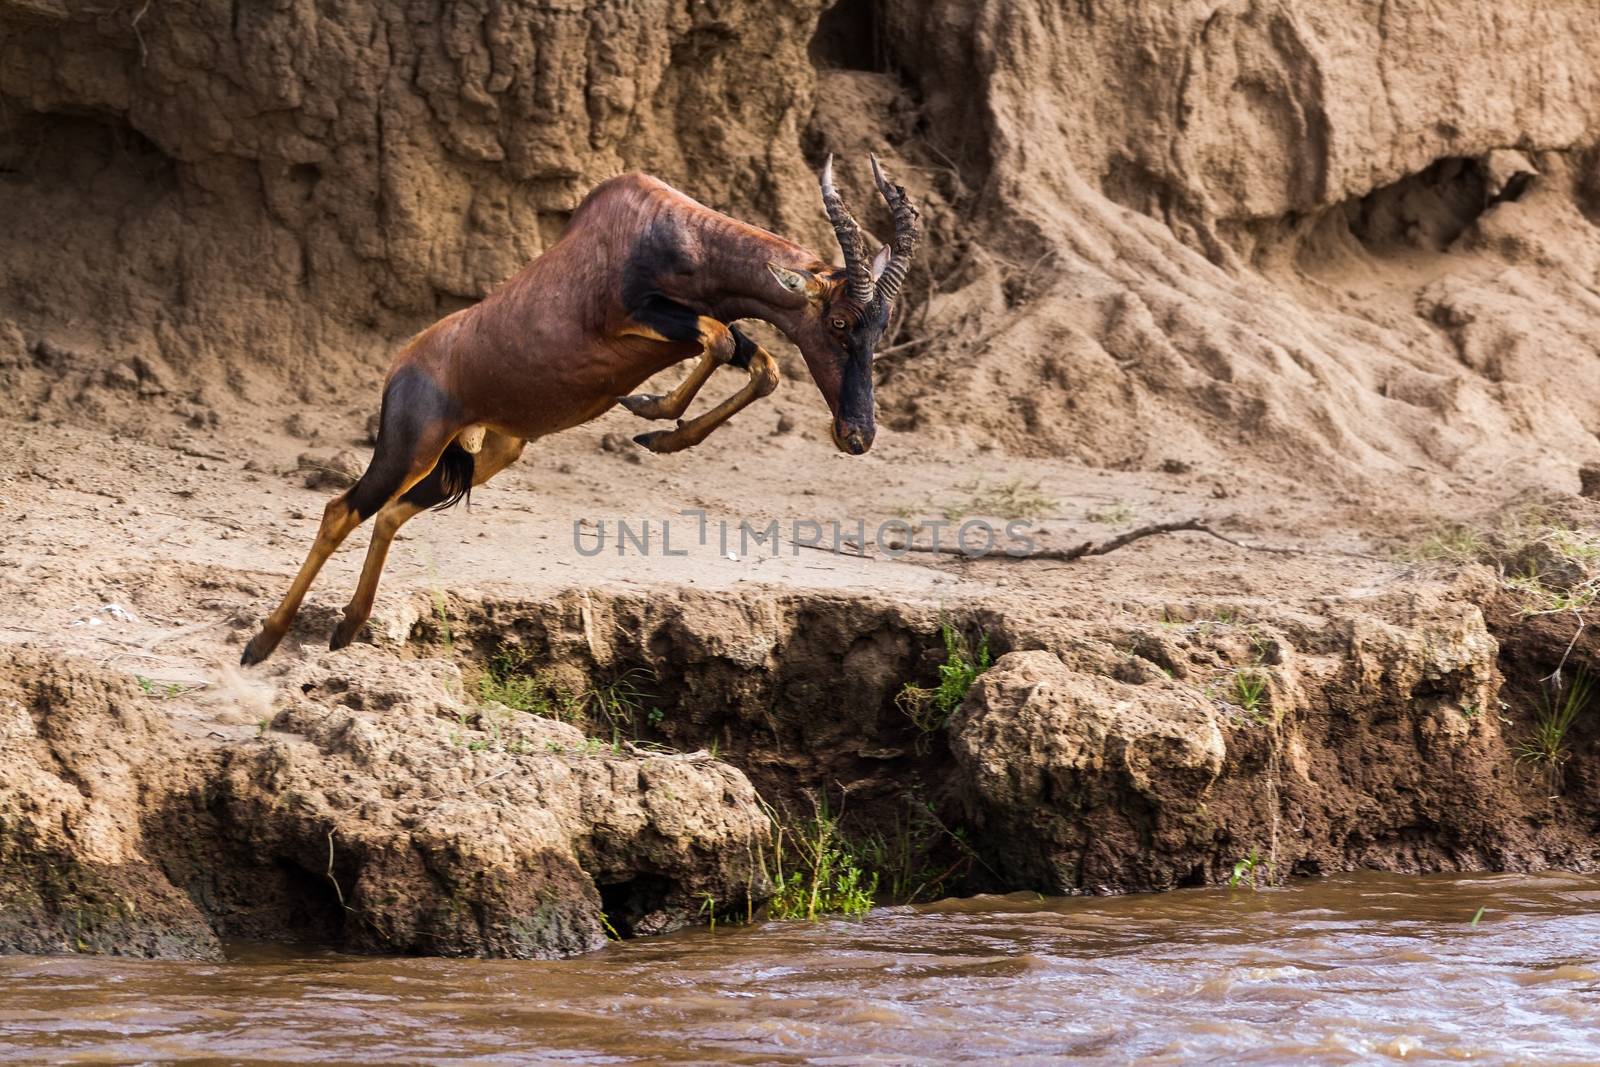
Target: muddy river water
{"points": [[1343, 970]]}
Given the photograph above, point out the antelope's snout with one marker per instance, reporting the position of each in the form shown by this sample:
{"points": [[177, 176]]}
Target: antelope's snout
{"points": [[854, 440]]}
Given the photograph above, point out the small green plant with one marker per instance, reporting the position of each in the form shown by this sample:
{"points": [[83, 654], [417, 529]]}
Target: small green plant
{"points": [[1549, 565], [708, 908], [614, 706], [930, 709], [1545, 748], [441, 610], [1541, 597], [817, 872], [1477, 917], [151, 688], [1246, 870]]}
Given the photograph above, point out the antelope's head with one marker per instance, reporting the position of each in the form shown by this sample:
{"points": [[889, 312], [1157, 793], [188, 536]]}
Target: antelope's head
{"points": [[847, 310]]}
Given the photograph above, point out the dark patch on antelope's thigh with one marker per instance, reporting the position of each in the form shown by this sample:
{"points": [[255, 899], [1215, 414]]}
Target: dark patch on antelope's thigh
{"points": [[414, 408]]}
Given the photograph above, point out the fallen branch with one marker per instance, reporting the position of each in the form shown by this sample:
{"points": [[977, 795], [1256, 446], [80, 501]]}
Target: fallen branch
{"points": [[1091, 548], [1088, 548]]}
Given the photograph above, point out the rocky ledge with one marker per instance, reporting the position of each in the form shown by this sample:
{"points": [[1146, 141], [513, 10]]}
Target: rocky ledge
{"points": [[383, 802]]}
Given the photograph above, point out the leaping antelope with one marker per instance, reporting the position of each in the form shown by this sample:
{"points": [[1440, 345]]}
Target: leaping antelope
{"points": [[643, 278]]}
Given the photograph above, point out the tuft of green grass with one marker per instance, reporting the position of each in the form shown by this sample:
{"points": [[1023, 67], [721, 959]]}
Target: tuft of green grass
{"points": [[1545, 748], [1541, 596], [508, 680], [1250, 690], [930, 709], [150, 687], [902, 857], [1551, 566], [618, 703], [615, 706]]}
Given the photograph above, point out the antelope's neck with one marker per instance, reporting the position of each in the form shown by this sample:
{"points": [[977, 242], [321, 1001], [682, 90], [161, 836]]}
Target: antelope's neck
{"points": [[735, 280]]}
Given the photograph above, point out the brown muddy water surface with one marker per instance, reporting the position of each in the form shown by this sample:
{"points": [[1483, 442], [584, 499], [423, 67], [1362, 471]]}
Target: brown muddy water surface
{"points": [[1342, 970]]}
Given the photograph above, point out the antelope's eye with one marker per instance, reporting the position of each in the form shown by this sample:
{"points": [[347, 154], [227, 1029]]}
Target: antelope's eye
{"points": [[838, 324]]}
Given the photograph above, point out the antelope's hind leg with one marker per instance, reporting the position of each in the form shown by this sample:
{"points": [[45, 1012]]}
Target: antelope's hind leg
{"points": [[417, 421], [449, 481]]}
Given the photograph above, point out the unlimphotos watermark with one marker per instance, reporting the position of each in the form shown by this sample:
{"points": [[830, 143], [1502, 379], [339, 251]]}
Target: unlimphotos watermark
{"points": [[891, 537]]}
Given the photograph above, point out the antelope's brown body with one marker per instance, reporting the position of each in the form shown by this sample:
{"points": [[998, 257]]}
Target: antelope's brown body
{"points": [[564, 339], [643, 278]]}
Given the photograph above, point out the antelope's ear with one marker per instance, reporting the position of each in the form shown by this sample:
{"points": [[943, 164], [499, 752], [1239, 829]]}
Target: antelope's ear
{"points": [[880, 262], [799, 282]]}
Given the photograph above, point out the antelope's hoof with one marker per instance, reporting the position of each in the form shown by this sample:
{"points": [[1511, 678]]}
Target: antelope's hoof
{"points": [[661, 441], [644, 405], [259, 648], [343, 634]]}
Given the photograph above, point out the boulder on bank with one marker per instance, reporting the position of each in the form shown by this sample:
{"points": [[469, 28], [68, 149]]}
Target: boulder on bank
{"points": [[373, 812], [1070, 776]]}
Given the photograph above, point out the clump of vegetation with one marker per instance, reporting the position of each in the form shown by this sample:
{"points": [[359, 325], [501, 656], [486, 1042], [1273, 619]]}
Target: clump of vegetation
{"points": [[1453, 542], [930, 709], [903, 859], [1015, 499], [152, 688], [1545, 748], [1549, 565], [1553, 567], [614, 706], [494, 733], [817, 872]]}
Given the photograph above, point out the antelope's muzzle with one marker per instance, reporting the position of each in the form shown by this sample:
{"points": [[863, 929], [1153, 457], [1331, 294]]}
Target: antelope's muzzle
{"points": [[852, 439]]}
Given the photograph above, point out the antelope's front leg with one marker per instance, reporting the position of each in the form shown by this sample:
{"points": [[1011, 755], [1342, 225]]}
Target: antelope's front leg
{"points": [[721, 344], [763, 380], [675, 403]]}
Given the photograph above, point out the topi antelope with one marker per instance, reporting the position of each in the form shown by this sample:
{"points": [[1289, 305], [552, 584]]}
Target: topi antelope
{"points": [[643, 278]]}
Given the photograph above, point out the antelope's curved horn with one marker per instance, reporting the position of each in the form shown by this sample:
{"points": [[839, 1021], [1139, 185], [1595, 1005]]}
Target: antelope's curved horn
{"points": [[858, 278], [906, 233]]}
